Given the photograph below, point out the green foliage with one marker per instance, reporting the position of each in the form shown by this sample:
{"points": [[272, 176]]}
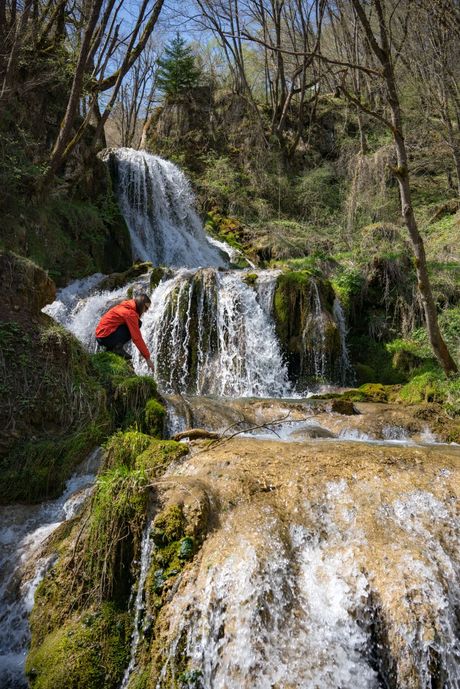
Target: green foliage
{"points": [[418, 344], [348, 283], [36, 469], [178, 72], [118, 510], [318, 193], [123, 447], [372, 362], [432, 386]]}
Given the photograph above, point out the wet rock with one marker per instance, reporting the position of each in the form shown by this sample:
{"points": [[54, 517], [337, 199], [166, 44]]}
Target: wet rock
{"points": [[341, 406]]}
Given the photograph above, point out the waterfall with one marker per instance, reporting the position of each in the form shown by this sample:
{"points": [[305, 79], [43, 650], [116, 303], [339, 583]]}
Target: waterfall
{"points": [[158, 205], [209, 332], [321, 582], [314, 336], [345, 367], [25, 529], [139, 602]]}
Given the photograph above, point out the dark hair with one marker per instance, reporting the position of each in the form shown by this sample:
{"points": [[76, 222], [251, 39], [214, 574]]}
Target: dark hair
{"points": [[141, 299]]}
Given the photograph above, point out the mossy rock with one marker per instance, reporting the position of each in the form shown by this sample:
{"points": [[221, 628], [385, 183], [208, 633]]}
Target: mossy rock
{"points": [[38, 469], [343, 406], [117, 280], [369, 392], [128, 393], [90, 650], [159, 454], [156, 276], [124, 447], [109, 368], [250, 279], [364, 373], [25, 287], [295, 304], [405, 361], [168, 525], [154, 418], [54, 411]]}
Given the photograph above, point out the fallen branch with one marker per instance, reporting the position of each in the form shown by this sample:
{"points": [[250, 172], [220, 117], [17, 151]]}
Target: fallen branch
{"points": [[195, 434]]}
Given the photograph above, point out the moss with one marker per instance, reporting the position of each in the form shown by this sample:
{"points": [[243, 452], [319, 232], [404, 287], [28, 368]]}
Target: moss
{"points": [[156, 277], [168, 525], [118, 511], [347, 284], [38, 469], [428, 386], [364, 373], [109, 367], [90, 650], [374, 392], [373, 362], [53, 411], [123, 448], [159, 455], [250, 279], [154, 418], [300, 331], [116, 280], [128, 393], [130, 396]]}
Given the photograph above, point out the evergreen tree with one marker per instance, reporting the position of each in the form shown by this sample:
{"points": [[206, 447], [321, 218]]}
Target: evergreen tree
{"points": [[177, 69]]}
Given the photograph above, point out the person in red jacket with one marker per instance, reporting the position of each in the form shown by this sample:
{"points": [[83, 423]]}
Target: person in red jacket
{"points": [[121, 324]]}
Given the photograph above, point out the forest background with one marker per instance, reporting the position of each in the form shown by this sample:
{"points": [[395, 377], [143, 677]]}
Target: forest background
{"points": [[320, 137]]}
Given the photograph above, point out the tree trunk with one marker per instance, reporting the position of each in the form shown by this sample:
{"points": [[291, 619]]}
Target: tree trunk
{"points": [[74, 97], [383, 52], [429, 306]]}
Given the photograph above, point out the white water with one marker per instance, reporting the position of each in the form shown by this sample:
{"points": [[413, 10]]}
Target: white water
{"points": [[209, 332], [25, 529], [214, 315], [139, 602], [158, 205]]}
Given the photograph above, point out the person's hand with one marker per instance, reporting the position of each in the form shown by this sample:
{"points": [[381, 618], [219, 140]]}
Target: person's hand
{"points": [[149, 363]]}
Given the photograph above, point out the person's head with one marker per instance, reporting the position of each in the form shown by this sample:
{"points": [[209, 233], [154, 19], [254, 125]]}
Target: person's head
{"points": [[143, 302]]}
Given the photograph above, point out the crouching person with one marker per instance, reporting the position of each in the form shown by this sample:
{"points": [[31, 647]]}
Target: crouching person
{"points": [[121, 324]]}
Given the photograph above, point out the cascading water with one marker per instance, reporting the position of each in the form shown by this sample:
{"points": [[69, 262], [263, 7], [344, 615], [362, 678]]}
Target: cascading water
{"points": [[318, 581], [209, 332], [158, 205]]}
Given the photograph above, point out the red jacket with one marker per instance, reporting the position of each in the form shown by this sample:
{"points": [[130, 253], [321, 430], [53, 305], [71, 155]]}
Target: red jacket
{"points": [[123, 313]]}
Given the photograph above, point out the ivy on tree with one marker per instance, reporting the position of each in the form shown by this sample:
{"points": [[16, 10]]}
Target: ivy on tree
{"points": [[177, 69]]}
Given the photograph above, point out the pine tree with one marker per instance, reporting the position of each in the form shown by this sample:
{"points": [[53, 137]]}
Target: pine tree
{"points": [[177, 69]]}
